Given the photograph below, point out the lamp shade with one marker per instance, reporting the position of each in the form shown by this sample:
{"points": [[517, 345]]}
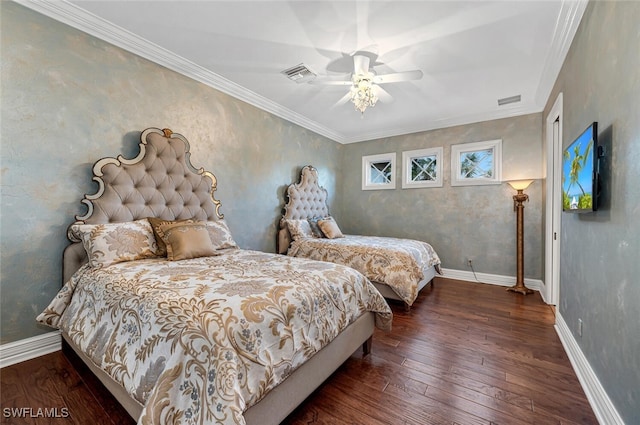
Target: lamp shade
{"points": [[520, 184]]}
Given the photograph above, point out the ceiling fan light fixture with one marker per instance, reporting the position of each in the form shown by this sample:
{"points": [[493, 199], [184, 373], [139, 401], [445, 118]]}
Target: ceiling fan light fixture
{"points": [[363, 94]]}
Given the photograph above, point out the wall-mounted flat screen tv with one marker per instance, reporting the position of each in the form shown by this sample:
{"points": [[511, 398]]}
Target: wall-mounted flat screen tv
{"points": [[580, 185]]}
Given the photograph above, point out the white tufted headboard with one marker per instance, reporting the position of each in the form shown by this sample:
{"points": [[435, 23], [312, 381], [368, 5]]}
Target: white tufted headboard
{"points": [[159, 182], [305, 199]]}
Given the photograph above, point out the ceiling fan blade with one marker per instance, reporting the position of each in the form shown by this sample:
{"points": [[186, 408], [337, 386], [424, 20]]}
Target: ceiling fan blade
{"points": [[344, 99], [398, 77], [383, 95], [330, 82], [371, 51]]}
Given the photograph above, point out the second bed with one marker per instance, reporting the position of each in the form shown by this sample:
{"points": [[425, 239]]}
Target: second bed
{"points": [[398, 267]]}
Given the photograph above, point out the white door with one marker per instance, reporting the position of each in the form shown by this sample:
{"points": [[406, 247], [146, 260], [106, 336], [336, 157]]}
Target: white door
{"points": [[551, 286]]}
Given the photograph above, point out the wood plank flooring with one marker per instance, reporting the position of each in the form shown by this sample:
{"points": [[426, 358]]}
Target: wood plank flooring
{"points": [[466, 353]]}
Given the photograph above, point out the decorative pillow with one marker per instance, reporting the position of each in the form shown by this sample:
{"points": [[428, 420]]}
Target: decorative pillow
{"points": [[299, 229], [155, 225], [330, 228], [186, 240], [111, 243], [220, 234], [315, 229]]}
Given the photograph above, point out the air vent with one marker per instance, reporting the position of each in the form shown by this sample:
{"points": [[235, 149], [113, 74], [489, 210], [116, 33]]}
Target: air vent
{"points": [[299, 73], [508, 100]]}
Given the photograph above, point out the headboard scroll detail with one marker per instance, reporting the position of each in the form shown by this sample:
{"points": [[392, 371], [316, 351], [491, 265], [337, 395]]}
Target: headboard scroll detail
{"points": [[159, 182], [305, 199]]}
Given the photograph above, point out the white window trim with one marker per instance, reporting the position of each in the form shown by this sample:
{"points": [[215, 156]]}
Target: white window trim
{"points": [[366, 171], [408, 156], [458, 150]]}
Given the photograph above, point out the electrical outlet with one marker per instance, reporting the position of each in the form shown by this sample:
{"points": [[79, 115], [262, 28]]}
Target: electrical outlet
{"points": [[580, 328]]}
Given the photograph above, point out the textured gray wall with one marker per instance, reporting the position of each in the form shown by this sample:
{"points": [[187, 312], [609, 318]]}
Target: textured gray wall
{"points": [[69, 99], [461, 221], [600, 252]]}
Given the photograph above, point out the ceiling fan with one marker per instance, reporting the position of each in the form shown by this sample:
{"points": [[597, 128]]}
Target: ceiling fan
{"points": [[365, 81]]}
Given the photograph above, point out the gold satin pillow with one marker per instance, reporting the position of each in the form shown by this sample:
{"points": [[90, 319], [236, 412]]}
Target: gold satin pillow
{"points": [[330, 228], [155, 225], [186, 239]]}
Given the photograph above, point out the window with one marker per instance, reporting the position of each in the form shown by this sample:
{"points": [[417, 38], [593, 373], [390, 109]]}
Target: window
{"points": [[378, 171], [422, 168], [476, 163]]}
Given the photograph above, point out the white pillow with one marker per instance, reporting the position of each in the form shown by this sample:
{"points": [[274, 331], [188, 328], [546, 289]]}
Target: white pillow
{"points": [[315, 229], [299, 229], [220, 234], [111, 243]]}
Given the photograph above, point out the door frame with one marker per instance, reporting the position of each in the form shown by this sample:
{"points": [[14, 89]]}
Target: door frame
{"points": [[553, 203]]}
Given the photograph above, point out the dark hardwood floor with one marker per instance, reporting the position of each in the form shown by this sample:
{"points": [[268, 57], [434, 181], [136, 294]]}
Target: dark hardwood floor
{"points": [[466, 353]]}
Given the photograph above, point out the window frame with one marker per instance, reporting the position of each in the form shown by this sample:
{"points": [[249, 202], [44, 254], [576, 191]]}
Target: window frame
{"points": [[366, 171], [456, 164], [407, 161]]}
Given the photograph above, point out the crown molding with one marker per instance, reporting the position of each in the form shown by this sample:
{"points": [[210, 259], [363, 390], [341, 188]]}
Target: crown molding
{"points": [[569, 18], [571, 12], [80, 19], [447, 122]]}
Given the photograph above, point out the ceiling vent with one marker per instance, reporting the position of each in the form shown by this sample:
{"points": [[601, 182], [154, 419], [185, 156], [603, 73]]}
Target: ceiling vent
{"points": [[299, 73], [508, 100]]}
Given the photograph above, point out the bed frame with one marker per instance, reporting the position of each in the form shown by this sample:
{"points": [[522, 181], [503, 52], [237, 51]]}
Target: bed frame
{"points": [[161, 182], [307, 199]]}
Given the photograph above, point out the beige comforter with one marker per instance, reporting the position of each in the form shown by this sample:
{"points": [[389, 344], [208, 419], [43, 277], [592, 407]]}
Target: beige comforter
{"points": [[398, 263], [201, 340]]}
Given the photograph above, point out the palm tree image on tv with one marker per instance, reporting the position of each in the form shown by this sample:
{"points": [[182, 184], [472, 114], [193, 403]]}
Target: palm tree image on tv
{"points": [[577, 172]]}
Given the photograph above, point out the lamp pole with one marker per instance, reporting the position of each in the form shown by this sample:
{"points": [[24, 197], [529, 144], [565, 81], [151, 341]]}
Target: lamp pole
{"points": [[518, 206]]}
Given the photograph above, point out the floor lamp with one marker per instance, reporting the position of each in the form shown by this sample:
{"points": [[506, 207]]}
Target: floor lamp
{"points": [[518, 207]]}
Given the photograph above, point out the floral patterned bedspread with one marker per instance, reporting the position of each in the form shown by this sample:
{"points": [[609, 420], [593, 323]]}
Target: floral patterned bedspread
{"points": [[398, 263], [202, 340]]}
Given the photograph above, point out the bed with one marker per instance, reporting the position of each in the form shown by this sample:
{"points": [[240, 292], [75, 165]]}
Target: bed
{"points": [[178, 322], [399, 268]]}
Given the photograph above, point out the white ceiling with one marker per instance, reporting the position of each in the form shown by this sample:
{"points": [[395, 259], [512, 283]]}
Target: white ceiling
{"points": [[472, 53]]}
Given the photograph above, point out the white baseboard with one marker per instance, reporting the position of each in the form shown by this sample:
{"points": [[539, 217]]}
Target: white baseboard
{"points": [[29, 348], [492, 279], [600, 402]]}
